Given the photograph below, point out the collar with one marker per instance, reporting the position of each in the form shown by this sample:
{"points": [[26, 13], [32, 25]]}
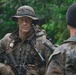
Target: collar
{"points": [[15, 36], [70, 39]]}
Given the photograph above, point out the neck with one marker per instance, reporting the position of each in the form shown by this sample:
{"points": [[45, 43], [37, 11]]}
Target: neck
{"points": [[23, 36], [72, 31]]}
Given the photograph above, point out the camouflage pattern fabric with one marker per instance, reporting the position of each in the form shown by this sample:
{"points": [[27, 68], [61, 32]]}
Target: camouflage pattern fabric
{"points": [[63, 59], [24, 53]]}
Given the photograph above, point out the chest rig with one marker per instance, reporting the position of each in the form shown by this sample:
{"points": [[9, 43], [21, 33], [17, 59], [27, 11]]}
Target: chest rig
{"points": [[24, 53]]}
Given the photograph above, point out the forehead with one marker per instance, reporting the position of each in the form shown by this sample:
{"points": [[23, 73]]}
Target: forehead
{"points": [[24, 17]]}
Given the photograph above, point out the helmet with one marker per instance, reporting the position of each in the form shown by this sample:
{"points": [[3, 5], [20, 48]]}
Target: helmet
{"points": [[25, 11]]}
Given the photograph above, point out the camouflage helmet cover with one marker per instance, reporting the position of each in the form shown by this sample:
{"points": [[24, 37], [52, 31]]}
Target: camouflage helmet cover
{"points": [[25, 11]]}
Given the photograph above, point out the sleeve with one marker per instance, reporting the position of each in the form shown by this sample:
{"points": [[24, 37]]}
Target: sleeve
{"points": [[1, 53], [56, 65], [3, 44], [44, 45], [48, 49]]}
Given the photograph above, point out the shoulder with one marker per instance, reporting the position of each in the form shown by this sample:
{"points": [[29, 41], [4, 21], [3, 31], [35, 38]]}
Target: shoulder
{"points": [[60, 50], [5, 40], [6, 37], [41, 35]]}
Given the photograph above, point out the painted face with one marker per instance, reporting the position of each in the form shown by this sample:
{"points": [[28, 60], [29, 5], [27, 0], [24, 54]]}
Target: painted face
{"points": [[25, 24]]}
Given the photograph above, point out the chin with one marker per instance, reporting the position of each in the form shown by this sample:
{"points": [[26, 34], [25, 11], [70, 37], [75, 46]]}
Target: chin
{"points": [[25, 31]]}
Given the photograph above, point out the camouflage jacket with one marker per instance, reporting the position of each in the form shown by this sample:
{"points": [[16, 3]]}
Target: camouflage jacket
{"points": [[63, 59], [23, 51]]}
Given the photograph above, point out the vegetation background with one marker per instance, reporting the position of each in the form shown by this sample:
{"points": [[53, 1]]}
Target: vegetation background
{"points": [[51, 13]]}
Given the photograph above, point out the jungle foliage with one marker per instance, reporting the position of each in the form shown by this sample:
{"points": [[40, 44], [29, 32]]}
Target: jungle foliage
{"points": [[51, 13]]}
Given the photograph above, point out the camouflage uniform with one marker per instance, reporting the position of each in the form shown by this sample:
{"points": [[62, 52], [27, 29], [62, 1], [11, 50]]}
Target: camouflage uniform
{"points": [[62, 61], [24, 53]]}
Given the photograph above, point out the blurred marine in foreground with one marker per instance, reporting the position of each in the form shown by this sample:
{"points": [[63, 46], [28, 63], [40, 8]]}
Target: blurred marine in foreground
{"points": [[63, 59]]}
